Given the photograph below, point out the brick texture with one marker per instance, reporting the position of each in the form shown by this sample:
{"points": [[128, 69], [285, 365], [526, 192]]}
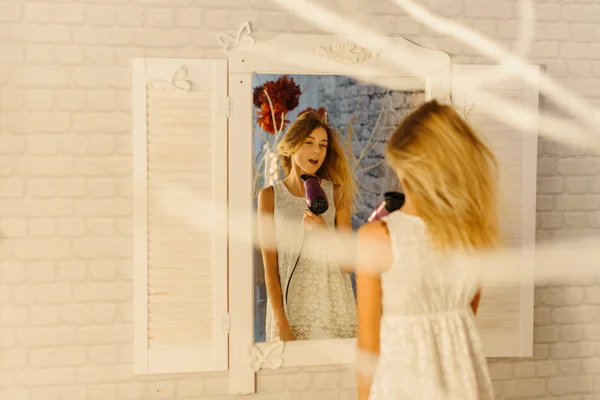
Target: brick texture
{"points": [[66, 201]]}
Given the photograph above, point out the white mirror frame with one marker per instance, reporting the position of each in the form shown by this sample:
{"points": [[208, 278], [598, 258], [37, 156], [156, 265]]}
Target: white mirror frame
{"points": [[322, 55]]}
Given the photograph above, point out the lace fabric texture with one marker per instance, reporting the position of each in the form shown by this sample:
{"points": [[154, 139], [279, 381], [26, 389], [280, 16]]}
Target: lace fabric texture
{"points": [[320, 301], [429, 345]]}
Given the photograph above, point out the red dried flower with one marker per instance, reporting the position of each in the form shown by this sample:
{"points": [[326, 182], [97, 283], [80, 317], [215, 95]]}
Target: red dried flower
{"points": [[285, 96], [259, 96], [265, 117]]}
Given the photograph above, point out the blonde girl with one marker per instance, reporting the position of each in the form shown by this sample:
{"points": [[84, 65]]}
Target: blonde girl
{"points": [[416, 317]]}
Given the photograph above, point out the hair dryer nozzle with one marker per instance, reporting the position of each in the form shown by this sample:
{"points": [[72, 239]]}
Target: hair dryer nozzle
{"points": [[316, 199], [392, 202]]}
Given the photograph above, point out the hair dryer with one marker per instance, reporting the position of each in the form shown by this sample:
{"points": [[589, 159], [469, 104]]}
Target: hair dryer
{"points": [[315, 196], [392, 202]]}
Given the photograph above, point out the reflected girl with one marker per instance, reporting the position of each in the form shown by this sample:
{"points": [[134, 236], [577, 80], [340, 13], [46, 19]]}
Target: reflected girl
{"points": [[307, 299]]}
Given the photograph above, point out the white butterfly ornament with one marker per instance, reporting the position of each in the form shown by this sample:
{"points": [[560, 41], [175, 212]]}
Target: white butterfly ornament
{"points": [[243, 38], [270, 356]]}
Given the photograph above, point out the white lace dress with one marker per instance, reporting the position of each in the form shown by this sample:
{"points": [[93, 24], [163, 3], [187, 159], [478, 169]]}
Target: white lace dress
{"points": [[320, 301], [429, 346]]}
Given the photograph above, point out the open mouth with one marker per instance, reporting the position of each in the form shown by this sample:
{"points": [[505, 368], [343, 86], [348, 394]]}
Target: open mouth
{"points": [[313, 161]]}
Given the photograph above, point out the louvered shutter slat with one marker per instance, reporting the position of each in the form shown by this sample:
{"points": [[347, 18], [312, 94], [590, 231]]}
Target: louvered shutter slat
{"points": [[183, 261]]}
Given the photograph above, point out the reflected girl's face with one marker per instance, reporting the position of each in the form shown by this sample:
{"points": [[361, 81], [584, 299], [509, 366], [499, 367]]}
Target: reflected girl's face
{"points": [[312, 152]]}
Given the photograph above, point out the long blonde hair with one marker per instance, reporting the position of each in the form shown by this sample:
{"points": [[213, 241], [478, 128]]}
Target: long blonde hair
{"points": [[451, 176], [335, 167]]}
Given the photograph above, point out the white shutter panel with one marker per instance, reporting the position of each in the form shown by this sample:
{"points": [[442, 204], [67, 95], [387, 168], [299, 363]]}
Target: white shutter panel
{"points": [[180, 264], [505, 317]]}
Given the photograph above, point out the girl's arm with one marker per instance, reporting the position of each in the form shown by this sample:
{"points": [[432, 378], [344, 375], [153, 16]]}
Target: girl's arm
{"points": [[368, 294], [475, 302], [266, 231], [343, 219]]}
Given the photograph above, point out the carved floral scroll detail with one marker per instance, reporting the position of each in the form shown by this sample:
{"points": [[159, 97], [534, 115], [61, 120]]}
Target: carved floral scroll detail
{"points": [[344, 53]]}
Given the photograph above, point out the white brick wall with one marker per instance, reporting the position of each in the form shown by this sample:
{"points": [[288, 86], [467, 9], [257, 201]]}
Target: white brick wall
{"points": [[65, 192]]}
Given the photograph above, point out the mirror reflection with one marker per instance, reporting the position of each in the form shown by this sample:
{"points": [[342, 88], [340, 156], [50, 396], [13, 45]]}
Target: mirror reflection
{"points": [[319, 143]]}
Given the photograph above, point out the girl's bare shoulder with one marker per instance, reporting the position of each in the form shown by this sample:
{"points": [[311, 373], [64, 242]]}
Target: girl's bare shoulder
{"points": [[266, 198]]}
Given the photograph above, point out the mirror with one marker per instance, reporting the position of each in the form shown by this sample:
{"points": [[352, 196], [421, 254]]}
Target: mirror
{"points": [[319, 301], [320, 65]]}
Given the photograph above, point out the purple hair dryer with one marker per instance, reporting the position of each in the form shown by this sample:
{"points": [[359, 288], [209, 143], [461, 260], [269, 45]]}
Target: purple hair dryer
{"points": [[315, 196], [392, 202]]}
